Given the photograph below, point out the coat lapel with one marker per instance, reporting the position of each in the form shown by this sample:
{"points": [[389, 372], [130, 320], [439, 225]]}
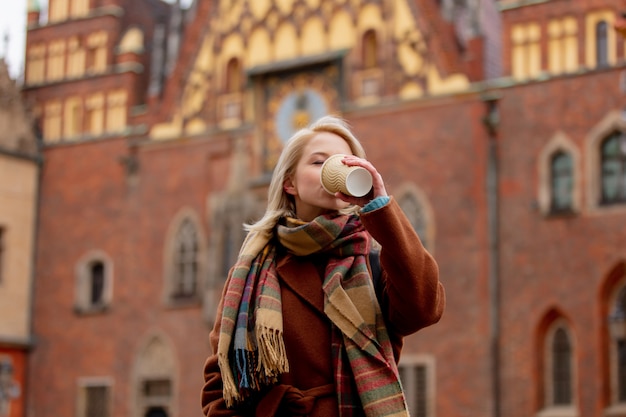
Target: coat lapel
{"points": [[303, 279]]}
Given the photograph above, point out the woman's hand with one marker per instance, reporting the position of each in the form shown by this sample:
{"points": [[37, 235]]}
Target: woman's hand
{"points": [[378, 186]]}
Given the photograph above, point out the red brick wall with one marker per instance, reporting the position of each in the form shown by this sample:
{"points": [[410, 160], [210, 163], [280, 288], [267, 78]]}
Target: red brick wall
{"points": [[557, 262]]}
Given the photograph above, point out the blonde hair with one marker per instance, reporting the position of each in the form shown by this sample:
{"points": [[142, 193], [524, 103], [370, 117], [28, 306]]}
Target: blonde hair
{"points": [[279, 203]]}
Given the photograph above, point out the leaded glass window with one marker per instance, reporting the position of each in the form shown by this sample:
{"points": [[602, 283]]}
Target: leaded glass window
{"points": [[561, 368], [613, 169], [97, 401], [561, 177], [186, 261]]}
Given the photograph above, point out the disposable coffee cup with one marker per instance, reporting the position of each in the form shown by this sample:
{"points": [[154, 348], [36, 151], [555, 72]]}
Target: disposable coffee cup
{"points": [[351, 180]]}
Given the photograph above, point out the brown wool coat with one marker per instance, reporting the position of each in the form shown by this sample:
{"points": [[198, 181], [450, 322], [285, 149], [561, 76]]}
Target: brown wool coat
{"points": [[412, 298]]}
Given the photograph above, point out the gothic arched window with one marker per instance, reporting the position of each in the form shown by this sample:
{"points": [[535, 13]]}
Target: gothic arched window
{"points": [[185, 277], [558, 368], [561, 368], [613, 169], [561, 182]]}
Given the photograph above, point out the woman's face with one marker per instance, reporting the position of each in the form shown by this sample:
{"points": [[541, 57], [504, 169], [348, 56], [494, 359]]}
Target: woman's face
{"points": [[305, 186]]}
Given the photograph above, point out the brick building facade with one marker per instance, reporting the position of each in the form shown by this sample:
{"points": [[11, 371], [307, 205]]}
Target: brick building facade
{"points": [[497, 125]]}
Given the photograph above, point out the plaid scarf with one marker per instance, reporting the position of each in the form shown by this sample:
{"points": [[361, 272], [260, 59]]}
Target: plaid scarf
{"points": [[251, 351]]}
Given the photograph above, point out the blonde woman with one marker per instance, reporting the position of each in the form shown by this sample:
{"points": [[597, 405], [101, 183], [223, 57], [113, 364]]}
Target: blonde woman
{"points": [[306, 326]]}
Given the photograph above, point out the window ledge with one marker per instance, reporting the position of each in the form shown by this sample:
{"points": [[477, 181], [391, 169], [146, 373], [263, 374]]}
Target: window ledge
{"points": [[91, 310], [605, 208], [558, 411]]}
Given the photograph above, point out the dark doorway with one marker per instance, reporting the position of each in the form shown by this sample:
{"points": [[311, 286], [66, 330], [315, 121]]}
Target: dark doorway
{"points": [[156, 412]]}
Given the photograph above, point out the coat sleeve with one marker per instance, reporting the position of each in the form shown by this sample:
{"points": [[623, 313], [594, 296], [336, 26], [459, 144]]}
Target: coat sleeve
{"points": [[213, 404], [412, 295]]}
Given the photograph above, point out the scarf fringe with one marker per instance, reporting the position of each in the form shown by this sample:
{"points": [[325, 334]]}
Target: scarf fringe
{"points": [[230, 391], [272, 353]]}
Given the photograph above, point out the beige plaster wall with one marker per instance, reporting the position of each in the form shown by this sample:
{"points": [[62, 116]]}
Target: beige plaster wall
{"points": [[17, 218]]}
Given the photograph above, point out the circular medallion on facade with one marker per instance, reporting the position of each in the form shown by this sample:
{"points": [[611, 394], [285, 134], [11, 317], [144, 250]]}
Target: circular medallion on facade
{"points": [[295, 102], [297, 110]]}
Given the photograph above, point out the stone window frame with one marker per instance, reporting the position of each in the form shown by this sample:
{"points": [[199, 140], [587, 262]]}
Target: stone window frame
{"points": [[84, 384], [53, 121], [116, 112], [155, 360], [526, 60], [36, 64], [55, 61], [82, 302], [169, 299], [614, 121], [563, 38], [73, 112], [591, 42], [413, 362], [559, 142], [410, 190], [547, 408]]}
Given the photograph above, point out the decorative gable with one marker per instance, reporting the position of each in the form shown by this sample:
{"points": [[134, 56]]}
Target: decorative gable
{"points": [[412, 58]]}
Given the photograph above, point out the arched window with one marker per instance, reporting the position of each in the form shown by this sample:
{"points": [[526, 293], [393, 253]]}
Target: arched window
{"points": [[96, 280], [602, 47], [558, 369], [233, 76], [155, 372], [94, 283], [561, 182], [185, 261], [230, 104], [561, 368], [370, 49], [613, 169]]}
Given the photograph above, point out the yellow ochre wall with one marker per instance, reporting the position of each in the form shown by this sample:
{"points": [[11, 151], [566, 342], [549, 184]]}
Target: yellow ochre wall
{"points": [[266, 35]]}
